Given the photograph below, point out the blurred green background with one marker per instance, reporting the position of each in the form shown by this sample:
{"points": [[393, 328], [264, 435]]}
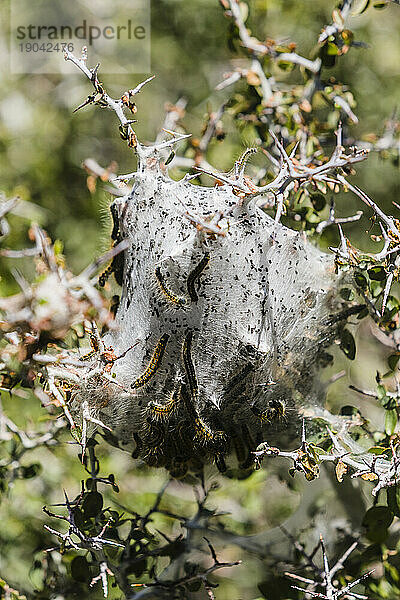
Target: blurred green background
{"points": [[42, 147]]}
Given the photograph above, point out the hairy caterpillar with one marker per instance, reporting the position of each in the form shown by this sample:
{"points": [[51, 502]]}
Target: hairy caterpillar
{"points": [[194, 275], [214, 442], [276, 410], [207, 437], [138, 445], [154, 363], [177, 301], [105, 275], [161, 412], [188, 364], [240, 164], [154, 443]]}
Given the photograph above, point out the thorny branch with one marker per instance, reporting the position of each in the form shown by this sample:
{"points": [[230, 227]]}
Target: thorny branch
{"points": [[187, 579], [340, 16], [331, 592], [291, 170], [345, 452], [101, 98]]}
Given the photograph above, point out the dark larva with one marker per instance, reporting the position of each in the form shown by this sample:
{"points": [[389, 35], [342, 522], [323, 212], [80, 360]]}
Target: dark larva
{"points": [[194, 275], [177, 301], [153, 364], [188, 364]]}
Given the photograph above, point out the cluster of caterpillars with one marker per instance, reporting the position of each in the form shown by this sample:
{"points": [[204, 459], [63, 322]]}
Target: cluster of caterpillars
{"points": [[174, 432], [182, 301]]}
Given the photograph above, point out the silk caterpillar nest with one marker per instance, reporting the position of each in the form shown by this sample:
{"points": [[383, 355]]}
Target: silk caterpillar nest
{"points": [[222, 332]]}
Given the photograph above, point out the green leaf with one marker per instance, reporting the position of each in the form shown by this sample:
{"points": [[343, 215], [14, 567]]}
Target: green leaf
{"points": [[347, 344], [80, 569], [376, 288], [393, 499], [327, 58], [377, 273], [76, 433], [285, 66], [332, 49], [139, 567], [393, 359], [347, 37], [376, 521], [381, 391], [362, 314], [318, 201], [360, 280], [390, 421], [347, 294], [174, 549], [388, 403], [378, 450], [349, 411], [392, 302], [79, 519], [90, 484], [92, 504]]}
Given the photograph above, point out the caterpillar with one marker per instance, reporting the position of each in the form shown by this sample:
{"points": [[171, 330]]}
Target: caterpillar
{"points": [[239, 447], [215, 441], [240, 164], [195, 274], [154, 363], [150, 446], [250, 444], [95, 347], [161, 412], [204, 435], [116, 233], [178, 301], [155, 457], [240, 379], [188, 364], [276, 410], [183, 439], [118, 262], [207, 437], [139, 445], [153, 434], [116, 267], [105, 275], [115, 301], [220, 462]]}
